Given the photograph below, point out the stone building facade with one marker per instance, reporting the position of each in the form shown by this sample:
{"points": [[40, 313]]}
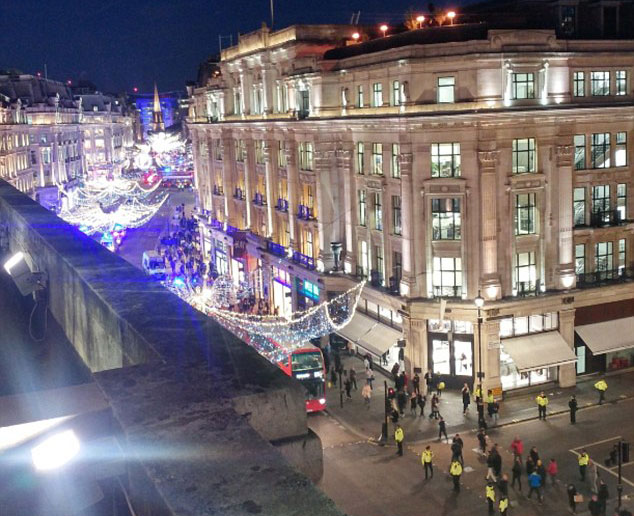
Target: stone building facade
{"points": [[437, 164]]}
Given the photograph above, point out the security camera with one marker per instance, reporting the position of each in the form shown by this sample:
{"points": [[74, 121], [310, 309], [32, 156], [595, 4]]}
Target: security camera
{"points": [[25, 279]]}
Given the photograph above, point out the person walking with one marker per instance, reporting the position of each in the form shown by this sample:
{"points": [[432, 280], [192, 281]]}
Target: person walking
{"points": [[429, 381], [572, 405], [603, 494], [421, 399], [601, 386], [491, 465], [571, 491], [583, 461], [442, 429], [542, 403], [517, 447], [594, 506], [503, 485], [457, 444], [366, 393], [530, 465], [455, 470], [348, 386], [552, 470], [482, 439], [497, 461], [399, 435], [517, 473], [541, 471], [534, 454], [466, 399], [490, 400], [416, 383], [353, 378], [369, 376], [490, 496], [440, 386], [435, 414], [413, 403], [504, 505], [535, 485], [427, 460]]}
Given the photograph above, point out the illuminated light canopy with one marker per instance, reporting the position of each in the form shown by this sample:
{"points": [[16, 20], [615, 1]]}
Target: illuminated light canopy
{"points": [[451, 15], [56, 451], [356, 36], [383, 28]]}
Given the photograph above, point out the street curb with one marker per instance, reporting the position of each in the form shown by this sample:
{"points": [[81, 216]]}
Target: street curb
{"points": [[503, 425]]}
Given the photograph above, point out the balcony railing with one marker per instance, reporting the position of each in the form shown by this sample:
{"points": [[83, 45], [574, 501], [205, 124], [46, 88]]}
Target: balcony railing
{"points": [[376, 281], [454, 292], [305, 212], [239, 194], [594, 279], [218, 190], [606, 218], [527, 288], [276, 249], [282, 205], [376, 278], [259, 200], [303, 260]]}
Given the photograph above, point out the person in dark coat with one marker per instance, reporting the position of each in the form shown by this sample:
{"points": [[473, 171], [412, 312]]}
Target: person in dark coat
{"points": [[517, 473], [421, 399], [466, 399], [534, 454], [541, 471], [530, 465], [497, 462], [503, 485], [571, 490], [457, 440], [572, 404], [416, 383], [594, 506], [603, 495]]}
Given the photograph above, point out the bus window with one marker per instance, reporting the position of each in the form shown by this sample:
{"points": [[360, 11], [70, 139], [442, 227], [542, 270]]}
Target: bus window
{"points": [[306, 361]]}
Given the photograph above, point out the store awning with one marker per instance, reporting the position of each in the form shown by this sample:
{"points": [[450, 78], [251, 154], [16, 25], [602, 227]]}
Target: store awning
{"points": [[358, 326], [532, 352], [370, 334], [608, 336]]}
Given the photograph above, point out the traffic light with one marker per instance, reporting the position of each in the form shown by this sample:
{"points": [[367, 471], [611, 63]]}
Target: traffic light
{"points": [[625, 452]]}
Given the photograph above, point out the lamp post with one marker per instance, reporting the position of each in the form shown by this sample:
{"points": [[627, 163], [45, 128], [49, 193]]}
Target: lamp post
{"points": [[479, 302], [451, 15], [383, 29], [420, 19]]}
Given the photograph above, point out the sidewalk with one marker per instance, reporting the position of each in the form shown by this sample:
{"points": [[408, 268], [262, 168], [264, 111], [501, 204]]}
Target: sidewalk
{"points": [[366, 422]]}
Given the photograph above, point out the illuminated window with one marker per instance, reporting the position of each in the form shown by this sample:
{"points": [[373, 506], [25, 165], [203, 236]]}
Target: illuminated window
{"points": [[580, 151], [603, 257], [377, 159], [360, 158], [621, 82], [396, 93], [579, 84], [241, 150], [259, 152], [579, 207], [447, 277], [446, 90], [600, 83], [524, 155], [601, 203], [397, 227], [360, 96], [525, 272], [445, 160], [622, 254], [310, 290], [580, 259], [620, 153], [446, 222], [600, 150], [525, 214], [363, 209], [378, 211], [281, 154], [377, 94], [621, 201], [523, 86], [306, 161], [396, 166]]}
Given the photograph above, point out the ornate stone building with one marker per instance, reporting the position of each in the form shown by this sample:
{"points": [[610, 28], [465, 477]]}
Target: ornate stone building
{"points": [[438, 164]]}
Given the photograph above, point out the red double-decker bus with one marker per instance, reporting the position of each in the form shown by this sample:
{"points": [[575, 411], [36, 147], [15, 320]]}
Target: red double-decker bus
{"points": [[306, 365]]}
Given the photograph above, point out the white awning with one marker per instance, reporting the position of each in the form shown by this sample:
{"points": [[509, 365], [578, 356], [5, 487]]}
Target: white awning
{"points": [[608, 336], [358, 326], [370, 334], [532, 352]]}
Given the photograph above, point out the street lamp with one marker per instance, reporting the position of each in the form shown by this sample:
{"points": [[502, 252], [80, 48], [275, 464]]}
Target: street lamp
{"points": [[383, 29], [479, 302], [356, 36], [451, 15], [420, 19]]}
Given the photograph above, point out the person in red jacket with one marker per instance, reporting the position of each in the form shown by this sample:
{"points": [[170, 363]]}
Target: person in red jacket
{"points": [[552, 470], [517, 447]]}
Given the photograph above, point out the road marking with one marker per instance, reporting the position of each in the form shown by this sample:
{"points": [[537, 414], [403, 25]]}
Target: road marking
{"points": [[623, 479], [597, 442]]}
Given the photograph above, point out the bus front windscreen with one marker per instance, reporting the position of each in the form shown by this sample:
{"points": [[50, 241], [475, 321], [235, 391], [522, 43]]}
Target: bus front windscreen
{"points": [[314, 388], [309, 361]]}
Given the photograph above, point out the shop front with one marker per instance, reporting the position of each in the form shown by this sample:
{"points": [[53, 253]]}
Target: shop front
{"points": [[282, 292], [606, 346], [450, 351], [307, 293], [221, 262]]}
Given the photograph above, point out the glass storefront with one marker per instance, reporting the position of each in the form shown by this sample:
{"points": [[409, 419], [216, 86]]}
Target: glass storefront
{"points": [[512, 379], [451, 350]]}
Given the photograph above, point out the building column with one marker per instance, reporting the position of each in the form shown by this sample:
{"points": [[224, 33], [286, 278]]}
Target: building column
{"points": [[490, 354], [566, 269], [327, 200], [415, 335], [270, 167], [408, 286], [249, 182], [348, 204], [490, 278], [292, 173], [567, 372]]}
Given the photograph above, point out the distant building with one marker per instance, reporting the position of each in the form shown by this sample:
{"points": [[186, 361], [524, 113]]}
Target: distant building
{"points": [[170, 109]]}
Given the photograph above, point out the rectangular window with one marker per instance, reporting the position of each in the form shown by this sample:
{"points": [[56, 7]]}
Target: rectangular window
{"points": [[259, 152], [364, 258], [446, 223], [523, 86], [621, 82], [447, 277], [524, 156], [600, 83], [603, 256], [378, 265], [580, 259], [396, 93], [600, 204], [360, 96], [622, 255], [377, 159], [446, 90], [397, 227], [237, 103], [397, 266], [600, 150], [218, 150], [281, 154], [445, 160], [360, 158], [579, 84], [525, 209], [396, 165], [363, 209], [241, 150], [579, 207], [525, 272], [378, 211], [308, 243], [377, 94], [621, 201], [620, 152], [306, 156], [580, 151]]}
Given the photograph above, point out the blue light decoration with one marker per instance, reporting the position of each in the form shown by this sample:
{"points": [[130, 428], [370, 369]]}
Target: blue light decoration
{"points": [[179, 282]]}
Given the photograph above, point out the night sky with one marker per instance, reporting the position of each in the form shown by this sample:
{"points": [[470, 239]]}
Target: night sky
{"points": [[120, 44]]}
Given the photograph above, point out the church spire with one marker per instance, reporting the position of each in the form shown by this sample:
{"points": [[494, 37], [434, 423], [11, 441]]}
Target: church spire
{"points": [[157, 114]]}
